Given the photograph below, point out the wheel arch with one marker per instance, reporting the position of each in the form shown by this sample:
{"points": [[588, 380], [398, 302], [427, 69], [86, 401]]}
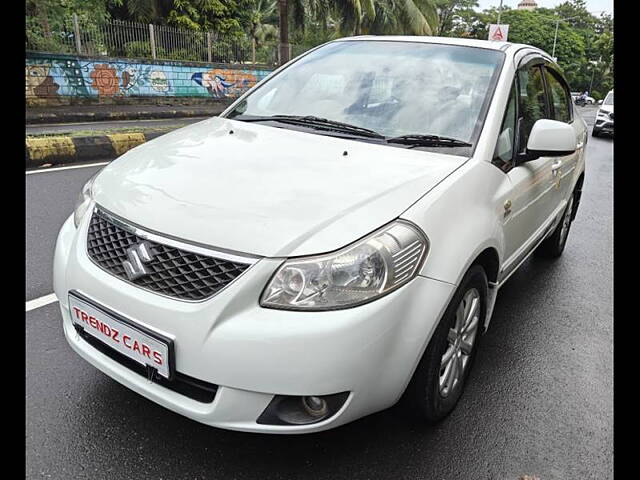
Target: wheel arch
{"points": [[577, 192], [489, 260]]}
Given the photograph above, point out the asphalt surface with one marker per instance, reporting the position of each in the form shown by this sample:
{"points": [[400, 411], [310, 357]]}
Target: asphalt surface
{"points": [[539, 400], [62, 128]]}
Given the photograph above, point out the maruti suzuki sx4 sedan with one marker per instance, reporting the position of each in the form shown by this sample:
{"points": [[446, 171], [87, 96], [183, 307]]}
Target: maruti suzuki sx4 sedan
{"points": [[333, 242]]}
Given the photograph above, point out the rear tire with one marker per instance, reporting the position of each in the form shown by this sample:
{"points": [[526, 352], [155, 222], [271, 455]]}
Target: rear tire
{"points": [[553, 246], [429, 395]]}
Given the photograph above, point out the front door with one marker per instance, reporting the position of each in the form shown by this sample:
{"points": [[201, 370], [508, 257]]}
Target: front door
{"points": [[533, 183]]}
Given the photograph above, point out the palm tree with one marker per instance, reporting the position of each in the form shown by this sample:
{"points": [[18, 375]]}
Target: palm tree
{"points": [[146, 11], [417, 17], [413, 17], [259, 13], [283, 14]]}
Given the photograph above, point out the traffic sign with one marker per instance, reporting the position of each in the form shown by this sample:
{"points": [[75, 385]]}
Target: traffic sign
{"points": [[498, 33]]}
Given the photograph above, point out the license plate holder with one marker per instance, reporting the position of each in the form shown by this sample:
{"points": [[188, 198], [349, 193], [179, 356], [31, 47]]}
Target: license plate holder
{"points": [[123, 335]]}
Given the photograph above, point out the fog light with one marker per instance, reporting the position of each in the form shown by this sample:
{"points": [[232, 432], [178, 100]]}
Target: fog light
{"points": [[315, 406], [301, 410]]}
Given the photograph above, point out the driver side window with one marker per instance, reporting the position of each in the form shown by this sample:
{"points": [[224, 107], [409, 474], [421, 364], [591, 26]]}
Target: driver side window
{"points": [[532, 103]]}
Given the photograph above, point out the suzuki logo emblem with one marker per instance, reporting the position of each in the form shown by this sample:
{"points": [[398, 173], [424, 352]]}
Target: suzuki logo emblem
{"points": [[137, 255]]}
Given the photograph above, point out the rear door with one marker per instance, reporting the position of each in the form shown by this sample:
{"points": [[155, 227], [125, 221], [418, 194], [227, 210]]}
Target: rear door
{"points": [[562, 111]]}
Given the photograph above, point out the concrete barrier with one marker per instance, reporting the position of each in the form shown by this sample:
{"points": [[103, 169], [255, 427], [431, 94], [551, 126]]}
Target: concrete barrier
{"points": [[56, 150]]}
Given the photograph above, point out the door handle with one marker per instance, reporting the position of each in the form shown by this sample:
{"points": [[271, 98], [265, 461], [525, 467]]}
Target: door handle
{"points": [[555, 168], [579, 145]]}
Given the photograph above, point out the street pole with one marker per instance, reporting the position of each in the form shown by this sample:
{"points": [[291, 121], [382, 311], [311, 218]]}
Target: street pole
{"points": [[591, 84], [76, 33], [499, 12], [555, 37]]}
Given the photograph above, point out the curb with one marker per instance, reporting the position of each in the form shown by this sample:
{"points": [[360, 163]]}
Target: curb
{"points": [[72, 117], [64, 150]]}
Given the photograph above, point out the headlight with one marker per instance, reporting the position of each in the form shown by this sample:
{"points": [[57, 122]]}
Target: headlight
{"points": [[359, 273], [83, 201]]}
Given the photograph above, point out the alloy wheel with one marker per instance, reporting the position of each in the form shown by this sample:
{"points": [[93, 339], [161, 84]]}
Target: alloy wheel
{"points": [[460, 341], [566, 221]]}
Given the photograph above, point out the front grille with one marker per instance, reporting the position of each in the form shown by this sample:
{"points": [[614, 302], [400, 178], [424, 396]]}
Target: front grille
{"points": [[172, 272]]}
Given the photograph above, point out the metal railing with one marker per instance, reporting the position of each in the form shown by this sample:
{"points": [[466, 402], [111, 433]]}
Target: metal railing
{"points": [[117, 38]]}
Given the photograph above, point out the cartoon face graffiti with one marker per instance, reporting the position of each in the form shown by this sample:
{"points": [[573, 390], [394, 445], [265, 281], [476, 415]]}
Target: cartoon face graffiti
{"points": [[38, 82], [223, 82], [159, 81]]}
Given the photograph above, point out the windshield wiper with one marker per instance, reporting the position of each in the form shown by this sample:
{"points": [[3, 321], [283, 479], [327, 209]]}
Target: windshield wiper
{"points": [[317, 122], [417, 140]]}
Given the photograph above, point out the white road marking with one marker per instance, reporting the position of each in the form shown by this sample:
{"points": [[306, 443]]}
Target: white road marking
{"points": [[70, 167], [41, 302]]}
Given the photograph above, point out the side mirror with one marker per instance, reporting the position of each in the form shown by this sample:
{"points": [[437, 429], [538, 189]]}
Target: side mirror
{"points": [[550, 138]]}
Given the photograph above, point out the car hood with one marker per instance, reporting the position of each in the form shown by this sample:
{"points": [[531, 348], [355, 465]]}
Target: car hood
{"points": [[266, 191]]}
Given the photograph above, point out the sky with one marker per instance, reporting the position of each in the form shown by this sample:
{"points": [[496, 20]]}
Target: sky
{"points": [[592, 5]]}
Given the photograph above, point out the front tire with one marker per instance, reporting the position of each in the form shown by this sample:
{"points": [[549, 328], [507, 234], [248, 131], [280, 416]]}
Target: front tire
{"points": [[439, 379], [595, 132]]}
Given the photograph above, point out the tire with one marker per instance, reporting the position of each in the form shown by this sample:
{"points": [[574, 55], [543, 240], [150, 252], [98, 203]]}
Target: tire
{"points": [[553, 246], [595, 132], [425, 397]]}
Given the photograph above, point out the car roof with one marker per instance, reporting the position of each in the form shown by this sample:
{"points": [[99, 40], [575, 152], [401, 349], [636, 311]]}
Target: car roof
{"points": [[506, 47]]}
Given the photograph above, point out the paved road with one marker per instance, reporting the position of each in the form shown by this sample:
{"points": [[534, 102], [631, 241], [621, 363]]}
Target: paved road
{"points": [[60, 128], [539, 400]]}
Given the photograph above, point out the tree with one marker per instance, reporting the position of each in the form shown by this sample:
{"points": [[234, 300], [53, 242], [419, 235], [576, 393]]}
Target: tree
{"points": [[584, 45], [145, 11], [283, 14], [451, 13], [46, 19], [221, 16], [356, 17], [259, 13]]}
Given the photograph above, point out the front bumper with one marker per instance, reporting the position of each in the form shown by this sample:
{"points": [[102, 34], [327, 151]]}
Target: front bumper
{"points": [[604, 124], [253, 353]]}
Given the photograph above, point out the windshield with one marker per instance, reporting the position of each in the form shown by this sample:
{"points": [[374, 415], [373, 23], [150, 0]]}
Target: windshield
{"points": [[392, 88], [609, 99]]}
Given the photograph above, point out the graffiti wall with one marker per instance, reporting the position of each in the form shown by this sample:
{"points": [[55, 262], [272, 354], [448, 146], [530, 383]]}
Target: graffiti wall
{"points": [[58, 77]]}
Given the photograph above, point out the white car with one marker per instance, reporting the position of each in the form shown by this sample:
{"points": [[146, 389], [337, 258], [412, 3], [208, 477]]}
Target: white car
{"points": [[604, 117], [334, 241]]}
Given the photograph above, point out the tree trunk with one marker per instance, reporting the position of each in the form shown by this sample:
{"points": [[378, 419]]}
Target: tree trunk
{"points": [[253, 50], [283, 6], [44, 21]]}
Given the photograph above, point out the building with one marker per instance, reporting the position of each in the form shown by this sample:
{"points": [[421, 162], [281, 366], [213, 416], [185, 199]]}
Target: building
{"points": [[527, 5]]}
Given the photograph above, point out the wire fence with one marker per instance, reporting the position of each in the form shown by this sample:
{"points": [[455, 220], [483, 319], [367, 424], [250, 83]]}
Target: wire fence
{"points": [[117, 38]]}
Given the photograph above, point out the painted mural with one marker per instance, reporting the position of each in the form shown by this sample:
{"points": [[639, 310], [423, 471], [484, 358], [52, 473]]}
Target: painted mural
{"points": [[224, 83], [50, 76]]}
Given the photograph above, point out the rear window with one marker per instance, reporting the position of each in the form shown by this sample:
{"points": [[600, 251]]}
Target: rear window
{"points": [[559, 98]]}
